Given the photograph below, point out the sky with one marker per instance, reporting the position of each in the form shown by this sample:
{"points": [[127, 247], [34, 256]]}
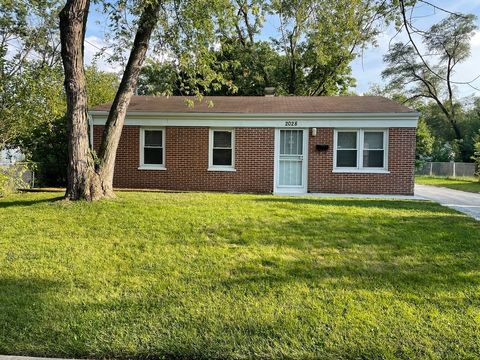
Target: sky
{"points": [[367, 68]]}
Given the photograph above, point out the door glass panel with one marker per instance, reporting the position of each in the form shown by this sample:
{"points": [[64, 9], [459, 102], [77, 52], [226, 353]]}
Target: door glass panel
{"points": [[291, 142], [290, 173]]}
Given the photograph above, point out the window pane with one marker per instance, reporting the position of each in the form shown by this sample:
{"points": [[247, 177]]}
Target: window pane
{"points": [[347, 140], [373, 158], [291, 142], [222, 139], [222, 157], [153, 138], [373, 140], [290, 172], [153, 156], [347, 158]]}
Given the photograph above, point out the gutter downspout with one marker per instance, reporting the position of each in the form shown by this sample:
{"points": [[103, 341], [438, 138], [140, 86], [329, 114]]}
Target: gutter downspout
{"points": [[90, 124]]}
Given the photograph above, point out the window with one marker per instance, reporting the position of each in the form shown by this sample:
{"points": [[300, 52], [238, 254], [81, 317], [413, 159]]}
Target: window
{"points": [[152, 149], [221, 150], [360, 150]]}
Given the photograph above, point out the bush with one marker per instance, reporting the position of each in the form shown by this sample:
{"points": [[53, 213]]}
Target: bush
{"points": [[46, 146], [3, 184], [476, 155], [12, 178]]}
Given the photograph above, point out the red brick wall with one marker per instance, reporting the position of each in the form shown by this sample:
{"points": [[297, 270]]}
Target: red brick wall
{"points": [[186, 160], [401, 162]]}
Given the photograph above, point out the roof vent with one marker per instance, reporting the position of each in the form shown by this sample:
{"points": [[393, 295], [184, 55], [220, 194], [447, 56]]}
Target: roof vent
{"points": [[269, 91]]}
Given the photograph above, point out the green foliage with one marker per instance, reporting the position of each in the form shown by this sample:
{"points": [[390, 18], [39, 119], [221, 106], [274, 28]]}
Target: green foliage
{"points": [[445, 151], [29, 55], [47, 148], [214, 48], [436, 140], [318, 41], [101, 86], [12, 179], [47, 145], [425, 142], [476, 154], [3, 184], [199, 275], [184, 41], [31, 98], [34, 119]]}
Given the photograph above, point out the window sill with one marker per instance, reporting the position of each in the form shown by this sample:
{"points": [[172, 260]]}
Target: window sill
{"points": [[222, 169], [143, 167], [362, 171]]}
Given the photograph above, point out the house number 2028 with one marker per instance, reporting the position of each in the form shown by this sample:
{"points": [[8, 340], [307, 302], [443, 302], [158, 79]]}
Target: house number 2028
{"points": [[290, 123]]}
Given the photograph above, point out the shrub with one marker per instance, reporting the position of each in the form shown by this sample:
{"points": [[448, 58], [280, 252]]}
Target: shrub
{"points": [[12, 178], [476, 155], [3, 183]]}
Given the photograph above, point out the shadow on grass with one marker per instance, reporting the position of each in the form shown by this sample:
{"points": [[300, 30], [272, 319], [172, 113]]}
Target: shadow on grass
{"points": [[5, 203], [422, 252], [425, 279], [362, 203], [23, 317]]}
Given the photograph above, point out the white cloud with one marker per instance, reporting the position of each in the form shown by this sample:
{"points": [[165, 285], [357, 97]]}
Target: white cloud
{"points": [[96, 52]]}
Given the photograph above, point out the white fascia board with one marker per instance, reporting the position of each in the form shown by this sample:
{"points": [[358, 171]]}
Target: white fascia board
{"points": [[334, 120]]}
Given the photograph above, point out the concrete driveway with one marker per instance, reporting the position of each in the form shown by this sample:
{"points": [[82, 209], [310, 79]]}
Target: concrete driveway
{"points": [[466, 202]]}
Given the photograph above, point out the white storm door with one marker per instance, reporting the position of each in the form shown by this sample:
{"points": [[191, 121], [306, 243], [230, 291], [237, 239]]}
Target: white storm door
{"points": [[291, 151]]}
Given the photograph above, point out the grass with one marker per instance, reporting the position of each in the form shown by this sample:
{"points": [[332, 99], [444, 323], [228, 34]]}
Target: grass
{"points": [[469, 184], [199, 275]]}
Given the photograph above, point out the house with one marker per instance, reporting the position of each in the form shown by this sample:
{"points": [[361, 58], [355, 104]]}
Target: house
{"points": [[350, 144]]}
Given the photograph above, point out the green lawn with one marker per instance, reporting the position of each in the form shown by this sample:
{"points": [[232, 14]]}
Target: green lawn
{"points": [[200, 275], [464, 184]]}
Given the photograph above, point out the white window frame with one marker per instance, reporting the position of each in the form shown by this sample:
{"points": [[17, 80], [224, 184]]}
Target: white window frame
{"points": [[212, 167], [144, 166], [360, 148]]}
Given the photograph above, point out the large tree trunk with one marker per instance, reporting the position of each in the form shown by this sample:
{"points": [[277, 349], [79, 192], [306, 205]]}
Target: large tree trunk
{"points": [[116, 117], [80, 173], [85, 179]]}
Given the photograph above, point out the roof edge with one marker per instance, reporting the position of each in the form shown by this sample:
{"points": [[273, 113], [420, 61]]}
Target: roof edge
{"points": [[182, 115]]}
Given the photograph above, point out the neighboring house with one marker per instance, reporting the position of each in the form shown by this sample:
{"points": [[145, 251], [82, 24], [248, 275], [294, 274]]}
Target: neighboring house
{"points": [[354, 144]]}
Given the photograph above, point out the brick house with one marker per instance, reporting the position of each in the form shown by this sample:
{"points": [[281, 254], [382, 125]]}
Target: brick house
{"points": [[351, 144]]}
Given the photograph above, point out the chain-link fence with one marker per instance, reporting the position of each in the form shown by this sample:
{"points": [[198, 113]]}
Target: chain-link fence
{"points": [[454, 169]]}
